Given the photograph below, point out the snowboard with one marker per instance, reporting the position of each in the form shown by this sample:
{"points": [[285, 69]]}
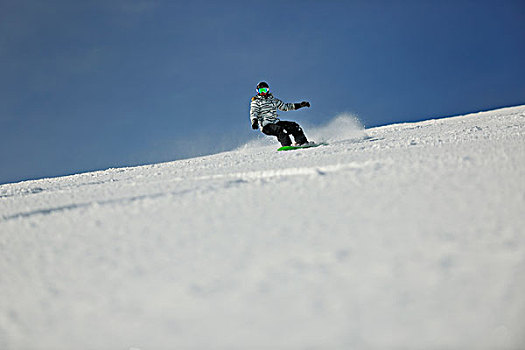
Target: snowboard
{"points": [[310, 145]]}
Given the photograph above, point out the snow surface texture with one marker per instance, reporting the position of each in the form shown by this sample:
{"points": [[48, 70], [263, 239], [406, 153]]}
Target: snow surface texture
{"points": [[407, 236]]}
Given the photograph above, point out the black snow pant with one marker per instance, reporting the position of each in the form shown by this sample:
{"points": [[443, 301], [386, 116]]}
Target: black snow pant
{"points": [[283, 129]]}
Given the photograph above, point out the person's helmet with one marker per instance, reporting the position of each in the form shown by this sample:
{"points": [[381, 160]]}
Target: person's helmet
{"points": [[263, 88]]}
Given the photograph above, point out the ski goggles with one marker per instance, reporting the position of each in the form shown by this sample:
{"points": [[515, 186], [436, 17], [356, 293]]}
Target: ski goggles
{"points": [[263, 90]]}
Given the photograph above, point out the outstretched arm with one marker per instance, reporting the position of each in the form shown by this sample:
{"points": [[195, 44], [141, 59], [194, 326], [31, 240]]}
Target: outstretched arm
{"points": [[284, 106], [291, 106]]}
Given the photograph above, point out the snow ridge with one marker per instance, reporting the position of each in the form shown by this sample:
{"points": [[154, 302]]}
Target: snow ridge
{"points": [[403, 236]]}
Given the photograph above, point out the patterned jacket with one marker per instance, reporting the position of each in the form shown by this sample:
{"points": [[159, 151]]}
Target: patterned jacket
{"points": [[264, 109]]}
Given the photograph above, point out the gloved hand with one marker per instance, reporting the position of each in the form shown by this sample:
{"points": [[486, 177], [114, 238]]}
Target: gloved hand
{"points": [[255, 124], [305, 104], [302, 104]]}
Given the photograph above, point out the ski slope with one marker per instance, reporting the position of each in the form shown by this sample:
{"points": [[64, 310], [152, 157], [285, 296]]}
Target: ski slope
{"points": [[406, 236]]}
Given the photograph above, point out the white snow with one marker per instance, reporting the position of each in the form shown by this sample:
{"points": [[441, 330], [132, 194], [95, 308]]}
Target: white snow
{"points": [[407, 236]]}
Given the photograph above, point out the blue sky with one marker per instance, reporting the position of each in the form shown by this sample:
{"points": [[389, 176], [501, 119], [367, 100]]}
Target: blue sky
{"points": [[89, 85]]}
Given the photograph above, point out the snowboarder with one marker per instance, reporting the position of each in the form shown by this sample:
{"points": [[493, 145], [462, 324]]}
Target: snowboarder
{"points": [[263, 115]]}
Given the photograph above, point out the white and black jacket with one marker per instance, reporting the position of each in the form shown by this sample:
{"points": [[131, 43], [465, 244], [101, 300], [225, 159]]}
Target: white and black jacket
{"points": [[264, 109]]}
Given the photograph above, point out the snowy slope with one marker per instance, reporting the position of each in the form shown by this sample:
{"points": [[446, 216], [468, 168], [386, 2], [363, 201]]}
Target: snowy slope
{"points": [[406, 236]]}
